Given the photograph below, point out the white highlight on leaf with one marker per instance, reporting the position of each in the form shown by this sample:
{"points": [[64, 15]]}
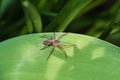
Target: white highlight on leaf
{"points": [[97, 53]]}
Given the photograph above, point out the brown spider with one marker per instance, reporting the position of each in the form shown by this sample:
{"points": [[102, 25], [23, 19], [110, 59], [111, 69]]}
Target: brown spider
{"points": [[55, 42]]}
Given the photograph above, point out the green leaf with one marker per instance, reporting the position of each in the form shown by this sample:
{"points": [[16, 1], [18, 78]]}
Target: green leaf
{"points": [[90, 59], [33, 18], [4, 4], [67, 14]]}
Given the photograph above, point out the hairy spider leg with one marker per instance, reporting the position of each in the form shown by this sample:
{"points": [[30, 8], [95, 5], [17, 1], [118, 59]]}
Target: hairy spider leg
{"points": [[51, 52], [62, 36], [63, 50], [47, 37]]}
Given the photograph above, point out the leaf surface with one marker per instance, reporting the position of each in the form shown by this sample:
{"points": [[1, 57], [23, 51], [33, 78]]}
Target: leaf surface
{"points": [[90, 59]]}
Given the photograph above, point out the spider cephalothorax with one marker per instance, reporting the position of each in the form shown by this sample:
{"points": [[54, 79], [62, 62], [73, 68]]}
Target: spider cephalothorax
{"points": [[54, 42], [51, 42]]}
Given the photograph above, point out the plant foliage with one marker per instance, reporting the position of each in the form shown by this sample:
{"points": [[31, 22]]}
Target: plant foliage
{"points": [[90, 59]]}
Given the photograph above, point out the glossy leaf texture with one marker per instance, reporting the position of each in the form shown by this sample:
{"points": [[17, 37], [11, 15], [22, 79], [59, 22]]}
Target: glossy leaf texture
{"points": [[90, 59]]}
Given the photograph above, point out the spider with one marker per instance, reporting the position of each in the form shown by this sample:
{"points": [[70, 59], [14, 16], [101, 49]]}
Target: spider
{"points": [[54, 42]]}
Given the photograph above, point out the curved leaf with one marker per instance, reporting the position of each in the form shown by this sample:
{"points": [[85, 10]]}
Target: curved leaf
{"points": [[90, 59], [33, 17], [67, 14]]}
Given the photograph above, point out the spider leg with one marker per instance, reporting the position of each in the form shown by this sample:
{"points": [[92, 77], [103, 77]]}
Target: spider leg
{"points": [[63, 50], [54, 36], [44, 47], [62, 36], [51, 52], [47, 37], [67, 44]]}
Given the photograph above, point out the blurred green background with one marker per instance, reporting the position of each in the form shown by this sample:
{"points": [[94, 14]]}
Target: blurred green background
{"points": [[97, 18]]}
